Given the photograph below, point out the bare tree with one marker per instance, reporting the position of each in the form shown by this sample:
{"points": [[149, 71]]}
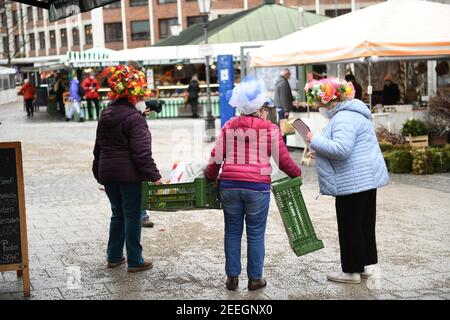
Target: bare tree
{"points": [[13, 49]]}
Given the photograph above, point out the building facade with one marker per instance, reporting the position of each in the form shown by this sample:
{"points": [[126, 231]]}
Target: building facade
{"points": [[25, 31]]}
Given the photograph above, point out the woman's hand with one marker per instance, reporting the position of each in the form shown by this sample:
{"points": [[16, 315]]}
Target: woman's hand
{"points": [[158, 182], [309, 136], [311, 154]]}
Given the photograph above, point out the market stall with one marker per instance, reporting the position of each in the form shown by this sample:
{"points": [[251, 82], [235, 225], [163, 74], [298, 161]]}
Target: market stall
{"points": [[382, 38]]}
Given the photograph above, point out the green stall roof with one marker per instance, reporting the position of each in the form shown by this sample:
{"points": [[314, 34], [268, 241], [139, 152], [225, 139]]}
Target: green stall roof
{"points": [[262, 23]]}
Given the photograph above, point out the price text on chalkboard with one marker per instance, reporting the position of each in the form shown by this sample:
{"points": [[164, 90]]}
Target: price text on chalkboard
{"points": [[10, 237]]}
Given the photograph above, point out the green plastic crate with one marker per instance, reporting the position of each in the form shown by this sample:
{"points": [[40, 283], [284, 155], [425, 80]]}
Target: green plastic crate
{"points": [[199, 194], [300, 231]]}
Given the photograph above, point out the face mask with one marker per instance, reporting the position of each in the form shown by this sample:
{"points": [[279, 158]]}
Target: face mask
{"points": [[323, 112], [140, 106]]}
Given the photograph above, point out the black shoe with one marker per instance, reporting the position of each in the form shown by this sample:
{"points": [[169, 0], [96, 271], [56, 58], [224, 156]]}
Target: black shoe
{"points": [[81, 120], [67, 119], [256, 284], [195, 116], [232, 282]]}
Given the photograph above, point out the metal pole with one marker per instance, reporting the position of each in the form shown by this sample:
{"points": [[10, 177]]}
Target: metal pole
{"points": [[369, 87], [209, 121]]}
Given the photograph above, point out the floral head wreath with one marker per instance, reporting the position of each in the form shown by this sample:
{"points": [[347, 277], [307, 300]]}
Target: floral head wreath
{"points": [[126, 82], [327, 90]]}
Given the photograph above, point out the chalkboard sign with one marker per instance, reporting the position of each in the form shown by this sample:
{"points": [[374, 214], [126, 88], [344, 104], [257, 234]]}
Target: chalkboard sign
{"points": [[13, 231]]}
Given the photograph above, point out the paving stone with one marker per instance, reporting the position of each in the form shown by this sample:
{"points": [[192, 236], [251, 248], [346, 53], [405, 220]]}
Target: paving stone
{"points": [[68, 225]]}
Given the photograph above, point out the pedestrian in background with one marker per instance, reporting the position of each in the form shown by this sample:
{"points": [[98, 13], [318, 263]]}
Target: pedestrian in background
{"points": [[59, 87], [75, 100], [351, 168], [245, 178], [193, 93], [28, 91], [91, 86], [358, 89], [122, 161], [283, 96]]}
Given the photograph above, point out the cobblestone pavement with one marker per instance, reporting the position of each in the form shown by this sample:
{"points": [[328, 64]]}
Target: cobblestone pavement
{"points": [[68, 226]]}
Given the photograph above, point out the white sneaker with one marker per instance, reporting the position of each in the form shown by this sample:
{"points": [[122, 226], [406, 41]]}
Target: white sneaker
{"points": [[368, 272], [344, 277]]}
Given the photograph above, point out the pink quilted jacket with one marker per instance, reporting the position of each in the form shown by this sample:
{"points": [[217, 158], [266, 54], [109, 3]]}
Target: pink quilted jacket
{"points": [[243, 150]]}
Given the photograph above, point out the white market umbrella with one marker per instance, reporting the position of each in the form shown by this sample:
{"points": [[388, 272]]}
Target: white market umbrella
{"points": [[396, 28]]}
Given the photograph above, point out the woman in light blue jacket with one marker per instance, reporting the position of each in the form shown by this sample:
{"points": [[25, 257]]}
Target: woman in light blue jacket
{"points": [[351, 168]]}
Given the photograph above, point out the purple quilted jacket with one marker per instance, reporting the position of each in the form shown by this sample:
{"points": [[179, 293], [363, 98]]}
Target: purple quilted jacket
{"points": [[123, 152]]}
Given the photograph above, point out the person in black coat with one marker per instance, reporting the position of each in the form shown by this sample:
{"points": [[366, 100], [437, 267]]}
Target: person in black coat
{"points": [[193, 91], [358, 89], [122, 161], [391, 93]]}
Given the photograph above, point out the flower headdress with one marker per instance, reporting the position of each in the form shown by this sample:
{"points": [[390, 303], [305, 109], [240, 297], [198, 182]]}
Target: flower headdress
{"points": [[126, 82], [326, 90]]}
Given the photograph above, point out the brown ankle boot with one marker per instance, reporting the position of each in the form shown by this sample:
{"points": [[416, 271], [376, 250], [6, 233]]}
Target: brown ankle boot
{"points": [[147, 265], [256, 284], [232, 282]]}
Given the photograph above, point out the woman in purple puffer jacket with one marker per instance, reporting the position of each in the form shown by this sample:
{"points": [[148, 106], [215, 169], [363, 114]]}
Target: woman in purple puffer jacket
{"points": [[122, 160], [243, 151]]}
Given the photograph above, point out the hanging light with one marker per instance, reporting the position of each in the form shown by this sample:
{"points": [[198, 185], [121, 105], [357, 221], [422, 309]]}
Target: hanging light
{"points": [[204, 6]]}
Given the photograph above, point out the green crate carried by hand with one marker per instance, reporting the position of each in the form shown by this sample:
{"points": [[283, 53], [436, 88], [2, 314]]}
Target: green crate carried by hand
{"points": [[300, 231], [199, 194]]}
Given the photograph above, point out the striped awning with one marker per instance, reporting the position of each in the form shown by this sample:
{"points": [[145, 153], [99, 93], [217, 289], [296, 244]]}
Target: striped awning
{"points": [[95, 57], [392, 29]]}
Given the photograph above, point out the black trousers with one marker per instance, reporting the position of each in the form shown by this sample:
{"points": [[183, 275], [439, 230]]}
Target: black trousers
{"points": [[356, 218], [89, 107], [29, 106]]}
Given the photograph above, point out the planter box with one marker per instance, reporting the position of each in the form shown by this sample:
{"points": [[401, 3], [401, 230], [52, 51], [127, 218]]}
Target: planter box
{"points": [[418, 141], [438, 140]]}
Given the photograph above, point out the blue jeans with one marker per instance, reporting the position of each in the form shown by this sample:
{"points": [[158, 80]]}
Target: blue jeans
{"points": [[125, 227], [253, 206]]}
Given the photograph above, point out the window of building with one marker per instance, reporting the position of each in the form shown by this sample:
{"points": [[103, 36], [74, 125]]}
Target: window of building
{"points": [[63, 33], [40, 13], [5, 45], [166, 1], [113, 32], [113, 5], [52, 39], [164, 27], [135, 3], [75, 37], [3, 19], [140, 30], [336, 12], [88, 33], [41, 40], [30, 14], [16, 43], [32, 41], [194, 20], [14, 17]]}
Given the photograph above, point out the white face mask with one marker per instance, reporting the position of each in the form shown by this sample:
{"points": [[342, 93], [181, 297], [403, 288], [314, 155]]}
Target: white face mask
{"points": [[140, 106], [323, 112]]}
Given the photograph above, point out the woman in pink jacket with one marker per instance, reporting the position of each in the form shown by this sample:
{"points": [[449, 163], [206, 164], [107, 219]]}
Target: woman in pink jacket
{"points": [[243, 151]]}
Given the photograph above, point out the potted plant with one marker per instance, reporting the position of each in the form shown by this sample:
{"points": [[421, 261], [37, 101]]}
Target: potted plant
{"points": [[438, 118], [417, 133]]}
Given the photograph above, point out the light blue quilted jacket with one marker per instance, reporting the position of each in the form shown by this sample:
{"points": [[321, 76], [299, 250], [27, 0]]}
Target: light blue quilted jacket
{"points": [[348, 157]]}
